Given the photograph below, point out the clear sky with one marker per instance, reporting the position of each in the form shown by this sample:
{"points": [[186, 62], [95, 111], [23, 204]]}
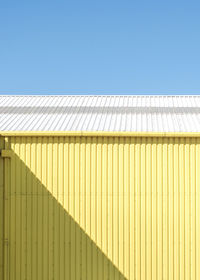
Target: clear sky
{"points": [[99, 47]]}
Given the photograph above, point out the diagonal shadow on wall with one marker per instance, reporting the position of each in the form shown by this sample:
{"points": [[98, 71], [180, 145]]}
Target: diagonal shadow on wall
{"points": [[44, 240]]}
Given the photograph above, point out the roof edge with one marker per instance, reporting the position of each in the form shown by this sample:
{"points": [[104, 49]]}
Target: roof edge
{"points": [[99, 133], [100, 95]]}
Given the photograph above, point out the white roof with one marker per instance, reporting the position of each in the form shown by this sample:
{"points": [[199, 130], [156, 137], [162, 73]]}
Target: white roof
{"points": [[100, 113]]}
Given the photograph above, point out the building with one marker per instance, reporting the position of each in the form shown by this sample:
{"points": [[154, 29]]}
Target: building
{"points": [[99, 187]]}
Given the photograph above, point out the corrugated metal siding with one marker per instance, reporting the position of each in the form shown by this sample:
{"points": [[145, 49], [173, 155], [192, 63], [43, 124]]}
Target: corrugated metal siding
{"points": [[1, 208], [103, 208], [100, 113]]}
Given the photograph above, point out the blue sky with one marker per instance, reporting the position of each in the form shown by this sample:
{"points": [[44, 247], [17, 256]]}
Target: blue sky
{"points": [[99, 47]]}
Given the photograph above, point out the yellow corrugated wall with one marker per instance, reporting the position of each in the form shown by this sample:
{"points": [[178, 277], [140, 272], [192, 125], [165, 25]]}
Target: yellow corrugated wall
{"points": [[102, 208], [1, 209]]}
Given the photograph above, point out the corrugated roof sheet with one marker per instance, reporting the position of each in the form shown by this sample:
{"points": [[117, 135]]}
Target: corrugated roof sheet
{"points": [[100, 113]]}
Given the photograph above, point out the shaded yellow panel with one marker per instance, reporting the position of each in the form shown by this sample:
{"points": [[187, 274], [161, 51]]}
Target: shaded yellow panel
{"points": [[1, 209]]}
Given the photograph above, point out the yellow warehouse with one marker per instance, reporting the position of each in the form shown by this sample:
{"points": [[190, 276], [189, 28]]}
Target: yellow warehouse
{"points": [[99, 187]]}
